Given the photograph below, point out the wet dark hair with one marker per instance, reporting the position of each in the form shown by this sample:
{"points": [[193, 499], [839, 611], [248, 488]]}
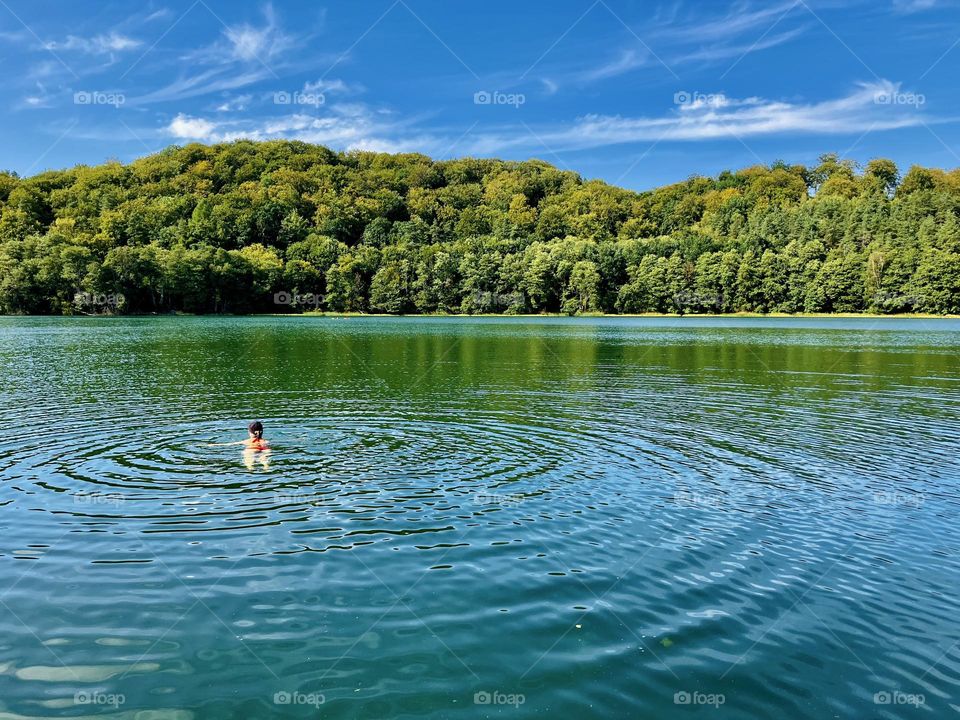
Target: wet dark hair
{"points": [[256, 428]]}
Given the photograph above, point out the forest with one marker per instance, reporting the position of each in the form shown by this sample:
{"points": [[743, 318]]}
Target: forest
{"points": [[267, 227]]}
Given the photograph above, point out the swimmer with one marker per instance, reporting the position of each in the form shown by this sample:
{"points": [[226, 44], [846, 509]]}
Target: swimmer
{"points": [[255, 448], [256, 441]]}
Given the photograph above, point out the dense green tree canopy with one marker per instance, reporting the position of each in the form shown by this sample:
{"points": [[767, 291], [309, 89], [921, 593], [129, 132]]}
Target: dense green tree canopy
{"points": [[287, 226]]}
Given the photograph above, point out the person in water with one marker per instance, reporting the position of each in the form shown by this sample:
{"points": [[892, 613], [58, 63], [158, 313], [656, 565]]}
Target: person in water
{"points": [[256, 441], [255, 447]]}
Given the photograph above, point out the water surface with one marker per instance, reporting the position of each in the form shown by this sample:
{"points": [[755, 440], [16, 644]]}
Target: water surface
{"points": [[596, 518]]}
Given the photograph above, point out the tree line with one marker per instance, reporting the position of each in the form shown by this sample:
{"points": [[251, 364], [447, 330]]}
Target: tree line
{"points": [[288, 226]]}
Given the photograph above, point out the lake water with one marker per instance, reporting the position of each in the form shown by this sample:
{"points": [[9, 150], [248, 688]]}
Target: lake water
{"points": [[511, 518]]}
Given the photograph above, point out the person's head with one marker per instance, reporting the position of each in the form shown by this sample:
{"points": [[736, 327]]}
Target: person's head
{"points": [[255, 429]]}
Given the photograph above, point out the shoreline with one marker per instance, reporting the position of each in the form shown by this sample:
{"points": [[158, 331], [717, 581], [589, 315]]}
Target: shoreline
{"points": [[330, 314], [902, 316]]}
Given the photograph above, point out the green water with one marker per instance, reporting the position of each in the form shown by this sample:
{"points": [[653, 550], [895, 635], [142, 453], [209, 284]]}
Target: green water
{"points": [[510, 518]]}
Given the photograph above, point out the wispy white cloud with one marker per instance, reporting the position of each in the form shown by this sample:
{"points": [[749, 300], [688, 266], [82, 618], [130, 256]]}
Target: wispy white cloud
{"points": [[78, 54], [15, 36], [704, 38], [38, 99], [347, 126], [911, 6], [628, 60], [207, 82], [549, 86], [313, 93], [237, 103], [249, 42], [868, 107], [245, 43], [328, 86], [97, 45], [157, 15], [242, 56], [712, 53], [44, 69], [740, 19]]}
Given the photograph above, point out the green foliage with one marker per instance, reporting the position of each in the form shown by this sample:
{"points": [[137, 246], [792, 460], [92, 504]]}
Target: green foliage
{"points": [[282, 226], [582, 289]]}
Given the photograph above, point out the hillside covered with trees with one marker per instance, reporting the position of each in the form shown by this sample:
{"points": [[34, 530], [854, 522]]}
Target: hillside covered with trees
{"points": [[286, 226]]}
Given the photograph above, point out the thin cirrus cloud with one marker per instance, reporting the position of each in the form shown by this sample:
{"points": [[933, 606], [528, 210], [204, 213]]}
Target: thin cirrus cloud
{"points": [[726, 52], [40, 99], [98, 45], [911, 6], [873, 106], [246, 43], [632, 60], [740, 20], [313, 93], [242, 56], [868, 107], [627, 61], [672, 41], [76, 55], [212, 80]]}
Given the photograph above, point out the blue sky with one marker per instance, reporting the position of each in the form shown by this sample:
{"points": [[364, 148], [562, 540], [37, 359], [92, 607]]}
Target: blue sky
{"points": [[636, 93]]}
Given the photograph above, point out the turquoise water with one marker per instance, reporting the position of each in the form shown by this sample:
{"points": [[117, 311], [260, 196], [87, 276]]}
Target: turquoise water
{"points": [[510, 518]]}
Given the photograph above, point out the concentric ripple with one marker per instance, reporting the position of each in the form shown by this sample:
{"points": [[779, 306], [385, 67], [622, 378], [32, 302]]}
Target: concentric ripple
{"points": [[601, 516]]}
